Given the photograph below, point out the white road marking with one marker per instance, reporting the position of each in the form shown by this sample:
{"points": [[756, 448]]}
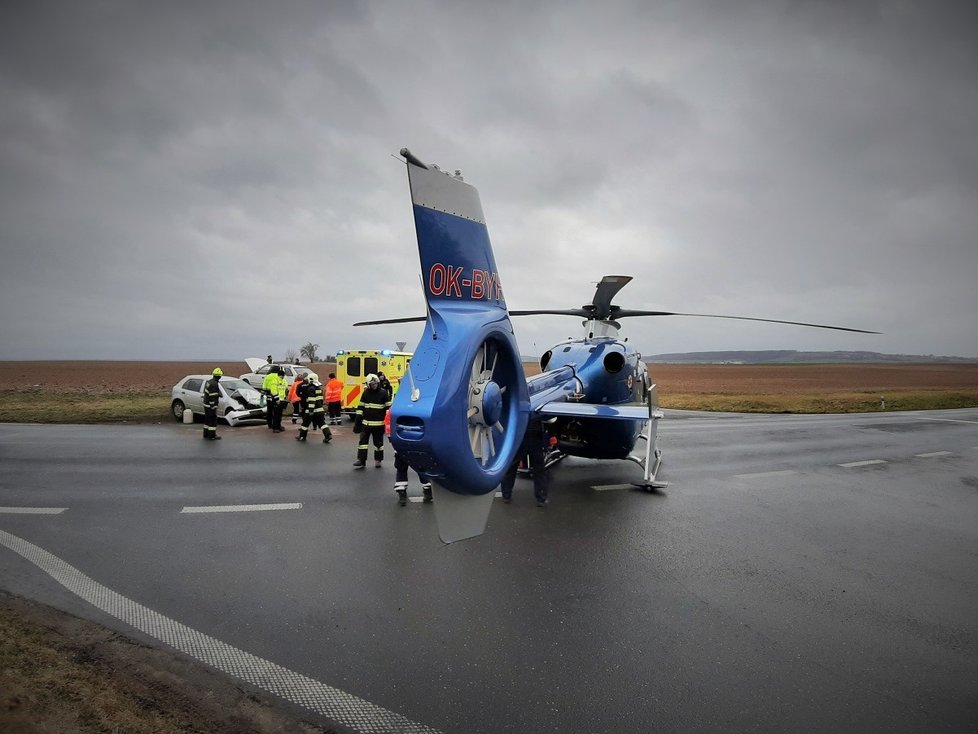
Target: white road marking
{"points": [[344, 708], [945, 420], [767, 474], [869, 462], [932, 454], [32, 510], [244, 508]]}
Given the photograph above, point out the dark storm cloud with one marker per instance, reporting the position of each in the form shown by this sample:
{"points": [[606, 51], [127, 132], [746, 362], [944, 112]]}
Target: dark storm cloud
{"points": [[160, 162]]}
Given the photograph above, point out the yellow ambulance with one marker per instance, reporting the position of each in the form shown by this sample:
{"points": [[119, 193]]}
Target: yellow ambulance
{"points": [[353, 366]]}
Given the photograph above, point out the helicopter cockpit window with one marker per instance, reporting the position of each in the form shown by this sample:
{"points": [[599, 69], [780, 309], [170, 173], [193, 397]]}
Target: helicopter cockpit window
{"points": [[545, 359], [567, 349]]}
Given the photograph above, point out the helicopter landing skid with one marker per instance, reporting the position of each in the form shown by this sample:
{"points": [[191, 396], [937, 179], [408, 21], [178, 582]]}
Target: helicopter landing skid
{"points": [[652, 460]]}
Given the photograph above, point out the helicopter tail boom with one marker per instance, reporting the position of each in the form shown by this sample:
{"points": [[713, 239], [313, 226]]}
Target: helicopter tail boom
{"points": [[463, 420]]}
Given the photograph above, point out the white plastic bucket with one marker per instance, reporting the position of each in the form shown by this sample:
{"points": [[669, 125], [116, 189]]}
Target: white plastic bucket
{"points": [[188, 415]]}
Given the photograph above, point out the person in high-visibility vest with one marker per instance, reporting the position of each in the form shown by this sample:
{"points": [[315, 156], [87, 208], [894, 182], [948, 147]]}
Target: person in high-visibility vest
{"points": [[295, 397], [373, 407], [334, 399], [276, 386]]}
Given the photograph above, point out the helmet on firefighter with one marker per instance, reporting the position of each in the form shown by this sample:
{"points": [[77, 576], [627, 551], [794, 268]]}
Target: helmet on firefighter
{"points": [[312, 377], [217, 372], [372, 379]]}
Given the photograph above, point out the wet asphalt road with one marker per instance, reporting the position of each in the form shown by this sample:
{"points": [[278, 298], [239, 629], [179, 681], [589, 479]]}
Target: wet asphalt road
{"points": [[769, 588]]}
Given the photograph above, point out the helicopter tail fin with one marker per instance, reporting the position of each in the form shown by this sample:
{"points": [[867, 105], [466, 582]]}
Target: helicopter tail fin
{"points": [[463, 419]]}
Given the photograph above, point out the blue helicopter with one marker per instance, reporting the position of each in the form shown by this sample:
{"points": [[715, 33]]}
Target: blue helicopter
{"points": [[462, 419]]}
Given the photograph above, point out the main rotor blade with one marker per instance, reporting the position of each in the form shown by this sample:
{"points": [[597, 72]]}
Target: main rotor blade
{"points": [[629, 312], [392, 321], [621, 313]]}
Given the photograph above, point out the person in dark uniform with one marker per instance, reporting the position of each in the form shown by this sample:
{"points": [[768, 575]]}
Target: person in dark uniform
{"points": [[314, 414], [371, 412], [385, 385], [401, 467], [212, 396], [533, 449]]}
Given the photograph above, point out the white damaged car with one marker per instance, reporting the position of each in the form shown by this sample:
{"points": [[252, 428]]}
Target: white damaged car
{"points": [[239, 401]]}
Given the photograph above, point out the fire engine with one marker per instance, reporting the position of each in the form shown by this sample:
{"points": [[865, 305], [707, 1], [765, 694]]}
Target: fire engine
{"points": [[353, 366]]}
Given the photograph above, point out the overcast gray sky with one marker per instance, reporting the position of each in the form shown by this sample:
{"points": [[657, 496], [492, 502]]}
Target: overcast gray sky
{"points": [[215, 180]]}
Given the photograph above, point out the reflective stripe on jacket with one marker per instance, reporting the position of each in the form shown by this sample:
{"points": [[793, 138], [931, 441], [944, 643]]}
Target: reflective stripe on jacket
{"points": [[212, 394], [373, 407], [313, 393]]}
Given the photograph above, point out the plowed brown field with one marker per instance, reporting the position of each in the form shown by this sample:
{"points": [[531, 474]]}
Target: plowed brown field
{"points": [[814, 378], [140, 377]]}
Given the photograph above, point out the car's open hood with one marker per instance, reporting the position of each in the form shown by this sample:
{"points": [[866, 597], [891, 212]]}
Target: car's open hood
{"points": [[255, 362]]}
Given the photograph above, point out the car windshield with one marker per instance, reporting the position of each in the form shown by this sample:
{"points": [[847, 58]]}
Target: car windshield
{"points": [[230, 384]]}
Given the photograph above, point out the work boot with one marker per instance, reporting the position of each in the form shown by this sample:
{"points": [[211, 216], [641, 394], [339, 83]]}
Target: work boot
{"points": [[377, 464], [359, 464], [426, 489], [327, 439], [300, 438], [401, 497]]}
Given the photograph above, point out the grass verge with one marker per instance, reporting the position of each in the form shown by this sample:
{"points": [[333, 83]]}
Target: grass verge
{"points": [[59, 673], [81, 407]]}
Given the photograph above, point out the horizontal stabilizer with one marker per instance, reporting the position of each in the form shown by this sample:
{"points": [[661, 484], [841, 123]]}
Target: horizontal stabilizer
{"points": [[628, 411], [405, 320]]}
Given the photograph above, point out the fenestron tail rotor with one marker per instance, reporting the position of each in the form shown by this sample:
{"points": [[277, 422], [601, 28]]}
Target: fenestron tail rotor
{"points": [[486, 407]]}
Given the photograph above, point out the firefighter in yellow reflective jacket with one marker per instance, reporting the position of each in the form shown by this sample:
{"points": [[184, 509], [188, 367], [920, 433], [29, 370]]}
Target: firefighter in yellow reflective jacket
{"points": [[276, 389], [314, 413], [373, 407]]}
